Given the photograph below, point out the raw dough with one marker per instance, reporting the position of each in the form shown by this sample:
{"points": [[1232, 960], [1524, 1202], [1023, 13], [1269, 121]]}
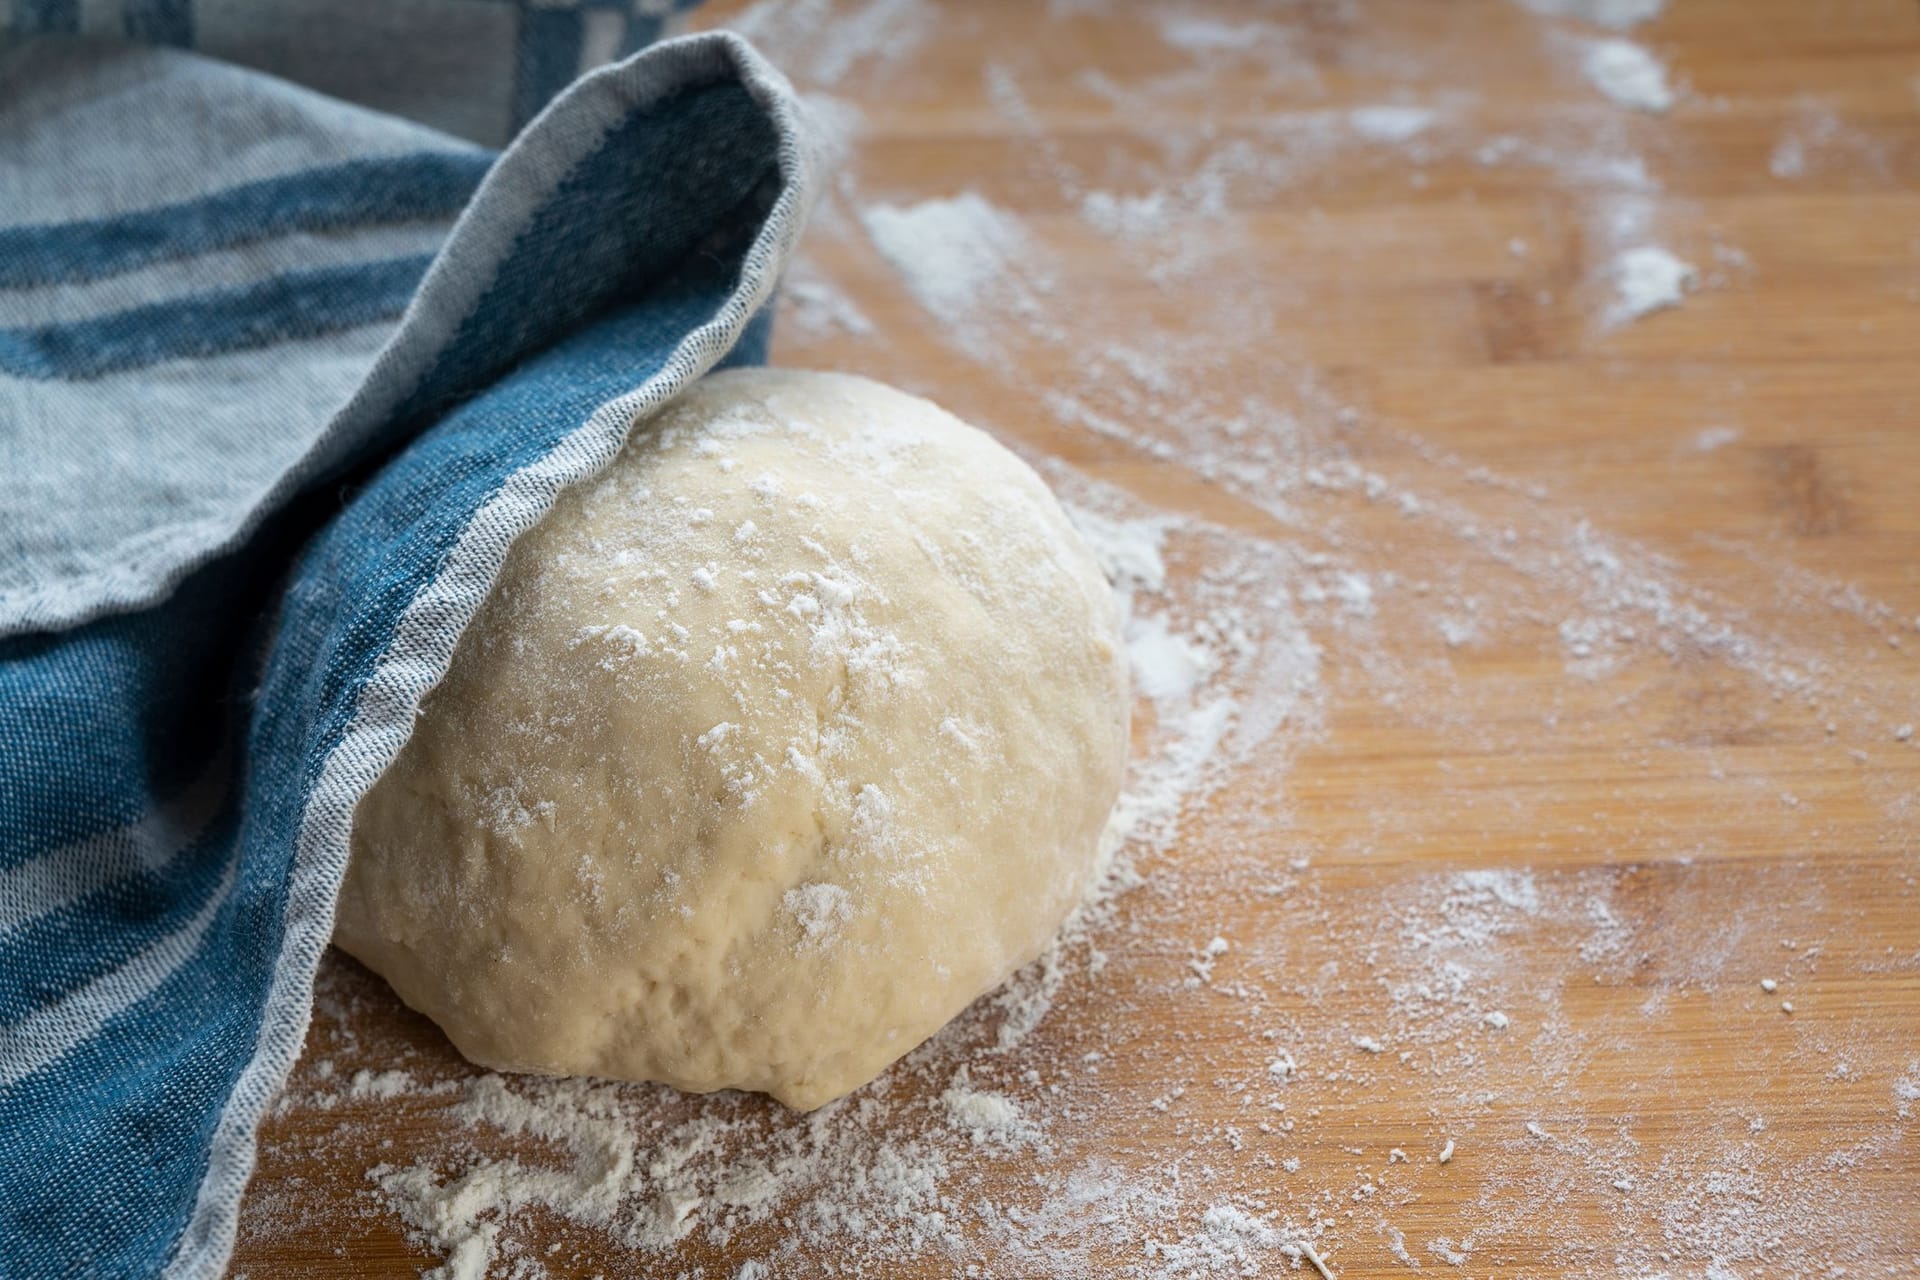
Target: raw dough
{"points": [[773, 747]]}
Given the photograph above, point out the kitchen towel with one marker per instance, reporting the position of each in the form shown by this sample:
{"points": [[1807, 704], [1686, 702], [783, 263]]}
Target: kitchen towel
{"points": [[280, 380], [478, 69]]}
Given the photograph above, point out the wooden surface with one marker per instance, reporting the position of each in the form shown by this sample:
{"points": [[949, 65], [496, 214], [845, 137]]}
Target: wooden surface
{"points": [[1641, 627]]}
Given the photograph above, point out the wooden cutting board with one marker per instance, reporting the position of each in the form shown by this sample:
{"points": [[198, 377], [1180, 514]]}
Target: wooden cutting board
{"points": [[1591, 645]]}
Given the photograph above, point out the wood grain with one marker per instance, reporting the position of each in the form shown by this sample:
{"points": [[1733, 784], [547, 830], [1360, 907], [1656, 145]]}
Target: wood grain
{"points": [[1718, 797]]}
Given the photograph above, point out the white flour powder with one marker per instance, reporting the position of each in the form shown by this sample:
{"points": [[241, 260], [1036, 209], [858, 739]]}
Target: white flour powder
{"points": [[1648, 278], [956, 255], [1617, 14], [1391, 123], [1628, 74]]}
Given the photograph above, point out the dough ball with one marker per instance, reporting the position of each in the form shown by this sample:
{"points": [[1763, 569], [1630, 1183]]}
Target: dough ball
{"points": [[774, 746]]}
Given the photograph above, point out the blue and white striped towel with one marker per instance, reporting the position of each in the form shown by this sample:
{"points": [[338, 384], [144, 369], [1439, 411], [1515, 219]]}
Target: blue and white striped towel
{"points": [[478, 69], [280, 380]]}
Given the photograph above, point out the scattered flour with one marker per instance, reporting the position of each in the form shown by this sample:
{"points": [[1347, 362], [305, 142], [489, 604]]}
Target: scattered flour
{"points": [[1515, 889], [1817, 140], [1129, 551], [1620, 15], [819, 309], [987, 1118], [1166, 667], [1906, 1091], [823, 43], [1389, 123], [960, 257], [1133, 217], [379, 1085], [1628, 74], [1648, 278], [1229, 1242], [951, 252], [1205, 35]]}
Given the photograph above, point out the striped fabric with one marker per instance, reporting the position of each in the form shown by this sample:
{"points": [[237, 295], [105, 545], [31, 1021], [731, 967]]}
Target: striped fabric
{"points": [[280, 379], [478, 69]]}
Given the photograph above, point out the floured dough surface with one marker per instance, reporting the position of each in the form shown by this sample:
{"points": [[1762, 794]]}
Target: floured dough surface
{"points": [[773, 747]]}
